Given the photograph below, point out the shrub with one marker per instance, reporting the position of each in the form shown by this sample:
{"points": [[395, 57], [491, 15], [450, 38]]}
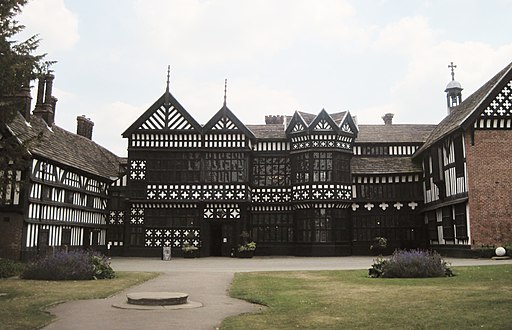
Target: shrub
{"points": [[414, 263], [251, 246], [10, 268], [74, 265], [508, 248]]}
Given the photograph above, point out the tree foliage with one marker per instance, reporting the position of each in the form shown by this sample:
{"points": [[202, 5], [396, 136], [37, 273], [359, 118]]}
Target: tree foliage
{"points": [[17, 62], [18, 66]]}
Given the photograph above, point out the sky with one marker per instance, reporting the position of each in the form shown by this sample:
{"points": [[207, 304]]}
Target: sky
{"points": [[369, 57]]}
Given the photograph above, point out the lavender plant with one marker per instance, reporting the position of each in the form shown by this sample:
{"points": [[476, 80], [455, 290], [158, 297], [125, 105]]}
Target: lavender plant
{"points": [[73, 265], [413, 263]]}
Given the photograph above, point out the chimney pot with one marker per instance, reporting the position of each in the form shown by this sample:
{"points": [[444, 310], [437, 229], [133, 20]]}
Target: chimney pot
{"points": [[84, 127], [388, 118]]}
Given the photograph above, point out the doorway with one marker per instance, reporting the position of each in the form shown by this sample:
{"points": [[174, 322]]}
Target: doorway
{"points": [[222, 239]]}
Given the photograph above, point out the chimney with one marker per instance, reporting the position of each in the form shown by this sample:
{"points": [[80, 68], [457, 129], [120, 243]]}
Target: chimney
{"points": [[53, 105], [45, 103], [84, 127], [274, 120], [27, 101], [388, 118]]}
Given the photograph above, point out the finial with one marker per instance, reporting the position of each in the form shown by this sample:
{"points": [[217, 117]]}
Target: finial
{"points": [[452, 66], [168, 77], [225, 90]]}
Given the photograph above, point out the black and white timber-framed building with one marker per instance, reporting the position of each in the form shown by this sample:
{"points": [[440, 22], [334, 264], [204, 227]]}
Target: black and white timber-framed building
{"points": [[59, 200], [307, 184]]}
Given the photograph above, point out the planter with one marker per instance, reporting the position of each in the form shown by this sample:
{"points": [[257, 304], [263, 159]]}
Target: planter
{"points": [[191, 254], [245, 254]]}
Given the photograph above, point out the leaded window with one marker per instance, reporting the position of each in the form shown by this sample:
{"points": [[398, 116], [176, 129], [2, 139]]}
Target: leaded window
{"points": [[461, 228], [394, 226], [387, 191], [432, 226], [322, 166], [271, 171], [314, 226], [272, 227], [225, 167], [174, 167], [447, 218], [459, 156], [374, 150], [66, 237], [171, 218], [300, 168], [136, 236]]}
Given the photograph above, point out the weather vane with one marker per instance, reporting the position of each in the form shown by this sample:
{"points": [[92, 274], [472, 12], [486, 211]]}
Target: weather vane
{"points": [[452, 66]]}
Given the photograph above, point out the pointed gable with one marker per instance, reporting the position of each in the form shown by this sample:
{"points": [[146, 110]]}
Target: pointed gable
{"points": [[323, 122], [347, 124], [224, 121], [165, 114], [297, 124]]}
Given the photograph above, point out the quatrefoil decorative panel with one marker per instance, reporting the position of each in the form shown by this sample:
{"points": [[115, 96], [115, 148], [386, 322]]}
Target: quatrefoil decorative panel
{"points": [[138, 169]]}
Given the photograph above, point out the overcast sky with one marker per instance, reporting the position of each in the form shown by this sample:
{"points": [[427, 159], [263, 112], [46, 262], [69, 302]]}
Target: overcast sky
{"points": [[279, 56]]}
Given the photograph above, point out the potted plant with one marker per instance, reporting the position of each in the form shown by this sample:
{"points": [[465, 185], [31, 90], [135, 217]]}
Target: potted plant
{"points": [[189, 250], [246, 250], [379, 245]]}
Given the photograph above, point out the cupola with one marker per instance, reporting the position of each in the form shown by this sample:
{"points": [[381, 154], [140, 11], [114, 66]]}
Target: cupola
{"points": [[453, 90]]}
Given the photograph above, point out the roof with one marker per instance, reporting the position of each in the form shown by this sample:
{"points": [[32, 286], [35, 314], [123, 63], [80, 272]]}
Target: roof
{"points": [[453, 84], [395, 133], [268, 131], [338, 116], [462, 115], [66, 148], [308, 117], [384, 165]]}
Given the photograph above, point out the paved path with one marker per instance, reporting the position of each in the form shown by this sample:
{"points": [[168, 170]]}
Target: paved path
{"points": [[206, 280]]}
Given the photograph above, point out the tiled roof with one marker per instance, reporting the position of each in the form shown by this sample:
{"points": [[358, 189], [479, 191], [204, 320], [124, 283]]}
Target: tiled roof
{"points": [[338, 117], [268, 131], [384, 165], [395, 133], [66, 148], [460, 113], [308, 117]]}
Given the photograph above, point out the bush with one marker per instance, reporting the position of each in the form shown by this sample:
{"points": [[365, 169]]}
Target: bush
{"points": [[508, 248], [410, 264], [74, 265], [10, 268]]}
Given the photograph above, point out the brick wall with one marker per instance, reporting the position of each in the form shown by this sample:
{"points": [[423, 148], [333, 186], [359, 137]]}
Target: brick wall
{"points": [[489, 166], [11, 226]]}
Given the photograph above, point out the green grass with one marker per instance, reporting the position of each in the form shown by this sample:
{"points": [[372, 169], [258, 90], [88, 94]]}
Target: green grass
{"points": [[23, 306], [477, 297]]}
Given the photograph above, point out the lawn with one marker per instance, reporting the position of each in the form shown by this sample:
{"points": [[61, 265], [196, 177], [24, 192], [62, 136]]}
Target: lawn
{"points": [[477, 297], [23, 305]]}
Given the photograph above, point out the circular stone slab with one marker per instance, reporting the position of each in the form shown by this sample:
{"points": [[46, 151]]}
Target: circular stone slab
{"points": [[157, 298]]}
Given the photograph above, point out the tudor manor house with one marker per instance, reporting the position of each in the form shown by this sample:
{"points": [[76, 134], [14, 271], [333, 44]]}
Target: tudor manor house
{"points": [[310, 184]]}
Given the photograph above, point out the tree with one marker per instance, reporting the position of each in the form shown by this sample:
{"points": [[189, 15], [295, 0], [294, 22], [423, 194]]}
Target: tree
{"points": [[18, 66]]}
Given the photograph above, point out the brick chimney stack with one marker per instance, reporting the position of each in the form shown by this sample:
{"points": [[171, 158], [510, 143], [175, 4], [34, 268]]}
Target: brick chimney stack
{"points": [[388, 118], [84, 127], [45, 101]]}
